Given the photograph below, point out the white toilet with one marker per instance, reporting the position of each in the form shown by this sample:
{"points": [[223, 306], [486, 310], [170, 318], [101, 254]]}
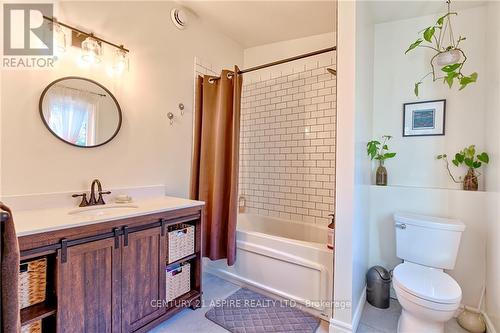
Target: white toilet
{"points": [[429, 297]]}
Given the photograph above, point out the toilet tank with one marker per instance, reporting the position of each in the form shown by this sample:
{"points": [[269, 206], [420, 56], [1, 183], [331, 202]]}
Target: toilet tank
{"points": [[427, 240]]}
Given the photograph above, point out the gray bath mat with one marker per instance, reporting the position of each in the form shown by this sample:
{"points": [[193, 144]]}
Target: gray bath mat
{"points": [[246, 311]]}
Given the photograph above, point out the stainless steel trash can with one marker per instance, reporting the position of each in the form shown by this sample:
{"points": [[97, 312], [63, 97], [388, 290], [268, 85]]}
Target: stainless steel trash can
{"points": [[378, 285]]}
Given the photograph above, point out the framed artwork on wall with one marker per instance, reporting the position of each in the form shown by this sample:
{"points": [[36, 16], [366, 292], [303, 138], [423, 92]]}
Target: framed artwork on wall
{"points": [[424, 118]]}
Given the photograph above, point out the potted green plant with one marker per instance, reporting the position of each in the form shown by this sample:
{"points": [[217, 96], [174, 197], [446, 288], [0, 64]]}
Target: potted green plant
{"points": [[379, 150], [448, 56], [472, 161]]}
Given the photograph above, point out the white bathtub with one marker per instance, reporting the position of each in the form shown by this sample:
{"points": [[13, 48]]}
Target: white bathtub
{"points": [[287, 259]]}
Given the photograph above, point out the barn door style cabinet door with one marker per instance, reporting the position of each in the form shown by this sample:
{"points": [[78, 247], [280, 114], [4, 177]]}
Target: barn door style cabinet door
{"points": [[111, 277], [89, 288], [143, 277]]}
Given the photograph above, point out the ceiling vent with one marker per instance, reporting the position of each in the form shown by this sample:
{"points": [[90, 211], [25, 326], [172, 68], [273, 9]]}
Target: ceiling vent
{"points": [[179, 17]]}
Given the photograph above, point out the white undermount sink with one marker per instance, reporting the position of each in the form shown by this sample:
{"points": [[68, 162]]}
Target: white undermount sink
{"points": [[103, 209]]}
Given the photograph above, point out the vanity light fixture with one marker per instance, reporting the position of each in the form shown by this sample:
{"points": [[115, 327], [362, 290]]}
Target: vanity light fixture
{"points": [[90, 44], [91, 50]]}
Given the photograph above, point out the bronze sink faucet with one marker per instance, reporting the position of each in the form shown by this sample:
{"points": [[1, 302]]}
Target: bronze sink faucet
{"points": [[92, 201]]}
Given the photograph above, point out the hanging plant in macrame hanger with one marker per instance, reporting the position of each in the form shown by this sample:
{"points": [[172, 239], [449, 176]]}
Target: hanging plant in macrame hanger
{"points": [[448, 61]]}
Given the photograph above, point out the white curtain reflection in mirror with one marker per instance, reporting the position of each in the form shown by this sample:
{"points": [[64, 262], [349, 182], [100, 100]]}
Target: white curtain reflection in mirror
{"points": [[72, 114]]}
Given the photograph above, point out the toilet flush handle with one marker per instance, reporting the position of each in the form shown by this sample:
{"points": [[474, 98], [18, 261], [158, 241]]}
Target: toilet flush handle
{"points": [[400, 225]]}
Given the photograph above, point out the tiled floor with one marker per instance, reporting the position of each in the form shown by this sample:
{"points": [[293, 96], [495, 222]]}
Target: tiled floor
{"points": [[374, 320], [189, 321]]}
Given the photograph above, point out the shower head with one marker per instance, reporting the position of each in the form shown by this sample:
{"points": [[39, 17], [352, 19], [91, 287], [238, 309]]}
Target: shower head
{"points": [[332, 71]]}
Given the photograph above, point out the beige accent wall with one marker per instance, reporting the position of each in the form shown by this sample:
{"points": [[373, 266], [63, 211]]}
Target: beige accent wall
{"points": [[147, 151]]}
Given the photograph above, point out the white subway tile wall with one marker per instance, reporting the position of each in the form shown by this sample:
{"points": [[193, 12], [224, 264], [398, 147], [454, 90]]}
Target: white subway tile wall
{"points": [[287, 150], [203, 67]]}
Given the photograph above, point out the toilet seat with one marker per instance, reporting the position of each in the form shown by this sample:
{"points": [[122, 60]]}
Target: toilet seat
{"points": [[429, 287]]}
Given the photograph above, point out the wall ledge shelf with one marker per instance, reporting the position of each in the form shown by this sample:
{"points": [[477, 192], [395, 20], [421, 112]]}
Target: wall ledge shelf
{"points": [[412, 187]]}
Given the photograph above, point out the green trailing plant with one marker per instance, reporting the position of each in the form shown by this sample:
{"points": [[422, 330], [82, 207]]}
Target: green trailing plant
{"points": [[434, 38], [379, 150], [471, 159]]}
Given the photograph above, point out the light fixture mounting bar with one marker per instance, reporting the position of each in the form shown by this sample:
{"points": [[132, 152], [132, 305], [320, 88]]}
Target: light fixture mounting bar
{"points": [[88, 34]]}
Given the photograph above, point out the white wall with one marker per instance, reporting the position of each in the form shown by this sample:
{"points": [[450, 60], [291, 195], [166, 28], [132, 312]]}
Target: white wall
{"points": [[344, 208], [263, 54], [394, 78], [363, 133], [420, 183], [147, 150], [493, 172]]}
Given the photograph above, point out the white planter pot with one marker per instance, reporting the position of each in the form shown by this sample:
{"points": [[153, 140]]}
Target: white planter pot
{"points": [[448, 58]]}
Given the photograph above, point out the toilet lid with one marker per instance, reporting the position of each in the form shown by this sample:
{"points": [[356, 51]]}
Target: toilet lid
{"points": [[427, 283]]}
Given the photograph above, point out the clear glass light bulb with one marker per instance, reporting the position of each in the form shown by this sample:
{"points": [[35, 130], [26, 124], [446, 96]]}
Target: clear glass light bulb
{"points": [[120, 61], [91, 50], [59, 39]]}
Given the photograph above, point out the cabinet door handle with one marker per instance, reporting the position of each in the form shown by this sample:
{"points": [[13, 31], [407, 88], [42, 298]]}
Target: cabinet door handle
{"points": [[64, 250], [401, 226], [116, 231], [125, 236], [162, 226]]}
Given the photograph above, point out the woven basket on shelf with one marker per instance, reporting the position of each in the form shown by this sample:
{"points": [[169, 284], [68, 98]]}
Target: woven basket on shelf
{"points": [[35, 327], [180, 241], [32, 282], [178, 280]]}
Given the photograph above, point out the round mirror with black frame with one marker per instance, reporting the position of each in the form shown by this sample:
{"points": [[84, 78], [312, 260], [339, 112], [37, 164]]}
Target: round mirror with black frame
{"points": [[80, 112]]}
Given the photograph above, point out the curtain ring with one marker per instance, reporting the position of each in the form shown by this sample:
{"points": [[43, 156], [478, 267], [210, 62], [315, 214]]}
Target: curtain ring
{"points": [[211, 80], [230, 75]]}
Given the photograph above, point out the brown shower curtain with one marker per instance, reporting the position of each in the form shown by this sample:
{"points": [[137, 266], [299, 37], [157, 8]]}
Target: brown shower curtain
{"points": [[214, 175]]}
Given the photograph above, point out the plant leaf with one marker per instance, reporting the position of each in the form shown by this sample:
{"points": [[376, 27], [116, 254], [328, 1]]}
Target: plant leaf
{"points": [[371, 148], [449, 79], [428, 33], [450, 68], [464, 81], [483, 157], [440, 20], [459, 157], [455, 162], [471, 151], [416, 88], [468, 162], [414, 45], [389, 155], [476, 164]]}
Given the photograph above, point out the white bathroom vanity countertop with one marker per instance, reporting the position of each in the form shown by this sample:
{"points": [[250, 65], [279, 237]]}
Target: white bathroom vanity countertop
{"points": [[35, 221]]}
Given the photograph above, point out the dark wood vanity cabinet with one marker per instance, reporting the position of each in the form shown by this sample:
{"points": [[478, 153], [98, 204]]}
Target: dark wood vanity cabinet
{"points": [[111, 277]]}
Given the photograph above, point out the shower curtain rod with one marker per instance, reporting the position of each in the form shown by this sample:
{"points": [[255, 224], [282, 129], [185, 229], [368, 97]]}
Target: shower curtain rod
{"points": [[279, 62]]}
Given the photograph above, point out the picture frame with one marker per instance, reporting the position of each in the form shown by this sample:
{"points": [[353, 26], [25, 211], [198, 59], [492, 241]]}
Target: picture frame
{"points": [[425, 118]]}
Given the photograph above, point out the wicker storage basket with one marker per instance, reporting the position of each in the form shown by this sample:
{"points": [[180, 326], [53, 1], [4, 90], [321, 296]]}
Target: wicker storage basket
{"points": [[32, 282], [180, 241], [35, 327], [178, 280]]}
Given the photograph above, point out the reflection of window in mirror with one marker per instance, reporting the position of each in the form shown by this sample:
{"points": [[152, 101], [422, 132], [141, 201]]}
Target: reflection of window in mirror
{"points": [[72, 114]]}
